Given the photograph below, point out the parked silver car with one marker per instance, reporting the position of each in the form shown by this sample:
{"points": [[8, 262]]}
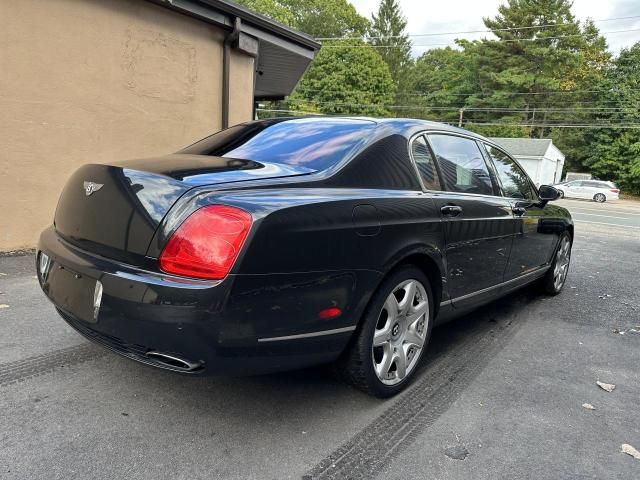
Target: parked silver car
{"points": [[597, 190]]}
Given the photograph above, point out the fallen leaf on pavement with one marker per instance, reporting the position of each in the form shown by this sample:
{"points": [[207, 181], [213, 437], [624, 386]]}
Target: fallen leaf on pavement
{"points": [[629, 450], [588, 406], [620, 332], [3, 274], [4, 305], [606, 386]]}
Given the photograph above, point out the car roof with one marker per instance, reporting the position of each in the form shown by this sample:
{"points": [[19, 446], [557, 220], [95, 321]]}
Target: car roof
{"points": [[402, 126]]}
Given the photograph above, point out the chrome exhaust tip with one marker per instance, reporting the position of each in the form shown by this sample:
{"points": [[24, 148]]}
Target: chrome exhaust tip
{"points": [[174, 362]]}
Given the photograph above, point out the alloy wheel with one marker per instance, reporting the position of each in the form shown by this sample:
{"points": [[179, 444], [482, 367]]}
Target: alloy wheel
{"points": [[400, 332], [599, 197], [561, 266]]}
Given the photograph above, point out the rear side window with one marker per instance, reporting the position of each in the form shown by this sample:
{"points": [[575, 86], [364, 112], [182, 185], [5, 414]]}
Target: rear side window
{"points": [[307, 143], [462, 165], [515, 183], [425, 163]]}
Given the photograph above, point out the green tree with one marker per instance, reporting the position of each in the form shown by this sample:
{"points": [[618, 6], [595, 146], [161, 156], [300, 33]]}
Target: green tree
{"points": [[440, 83], [345, 80], [327, 18], [387, 34], [274, 9], [317, 18], [614, 153], [532, 61]]}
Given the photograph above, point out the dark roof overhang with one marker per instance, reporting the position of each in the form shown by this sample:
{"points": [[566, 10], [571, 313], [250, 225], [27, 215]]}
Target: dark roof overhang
{"points": [[283, 54]]}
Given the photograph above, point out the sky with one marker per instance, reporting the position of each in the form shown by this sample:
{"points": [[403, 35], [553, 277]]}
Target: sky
{"points": [[436, 16]]}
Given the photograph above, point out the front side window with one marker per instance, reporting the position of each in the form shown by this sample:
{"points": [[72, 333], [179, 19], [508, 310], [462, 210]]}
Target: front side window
{"points": [[462, 165], [515, 183], [425, 163]]}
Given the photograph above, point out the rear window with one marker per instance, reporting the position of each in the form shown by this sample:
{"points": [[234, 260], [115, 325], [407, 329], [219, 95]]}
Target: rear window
{"points": [[310, 143]]}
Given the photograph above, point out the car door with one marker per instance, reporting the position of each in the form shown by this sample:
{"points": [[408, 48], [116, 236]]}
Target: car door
{"points": [[477, 221], [590, 189], [533, 240], [574, 189]]}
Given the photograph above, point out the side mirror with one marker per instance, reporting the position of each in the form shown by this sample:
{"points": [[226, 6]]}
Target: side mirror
{"points": [[547, 193]]}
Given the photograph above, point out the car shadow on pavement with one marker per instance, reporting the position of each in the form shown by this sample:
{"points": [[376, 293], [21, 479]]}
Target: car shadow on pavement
{"points": [[300, 390]]}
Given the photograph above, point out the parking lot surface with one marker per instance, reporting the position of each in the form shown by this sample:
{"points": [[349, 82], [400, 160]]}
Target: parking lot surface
{"points": [[499, 394]]}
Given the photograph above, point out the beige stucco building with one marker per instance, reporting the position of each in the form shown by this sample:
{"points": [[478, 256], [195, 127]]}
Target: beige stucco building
{"points": [[106, 80]]}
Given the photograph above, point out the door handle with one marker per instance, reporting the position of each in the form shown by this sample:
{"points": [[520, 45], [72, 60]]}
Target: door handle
{"points": [[519, 211], [451, 210]]}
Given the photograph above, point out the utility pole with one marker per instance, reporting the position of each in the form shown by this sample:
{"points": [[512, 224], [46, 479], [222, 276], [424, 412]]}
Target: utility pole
{"points": [[461, 111]]}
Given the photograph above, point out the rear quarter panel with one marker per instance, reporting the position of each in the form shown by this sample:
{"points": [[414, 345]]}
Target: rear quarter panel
{"points": [[312, 248]]}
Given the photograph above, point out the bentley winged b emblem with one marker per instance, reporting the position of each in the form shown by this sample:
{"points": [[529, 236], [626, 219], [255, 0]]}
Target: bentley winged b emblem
{"points": [[90, 187]]}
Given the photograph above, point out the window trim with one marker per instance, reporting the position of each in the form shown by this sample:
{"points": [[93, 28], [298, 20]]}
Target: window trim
{"points": [[412, 139], [490, 158], [496, 187]]}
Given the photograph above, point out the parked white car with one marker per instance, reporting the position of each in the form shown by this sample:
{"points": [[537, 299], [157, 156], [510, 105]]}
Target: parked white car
{"points": [[596, 190]]}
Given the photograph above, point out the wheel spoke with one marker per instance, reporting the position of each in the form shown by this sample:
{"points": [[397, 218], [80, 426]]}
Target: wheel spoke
{"points": [[412, 337], [381, 337], [392, 308], [382, 368], [409, 295], [400, 360], [416, 312]]}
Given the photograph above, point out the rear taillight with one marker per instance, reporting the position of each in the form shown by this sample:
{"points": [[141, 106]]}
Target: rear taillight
{"points": [[614, 190], [207, 243]]}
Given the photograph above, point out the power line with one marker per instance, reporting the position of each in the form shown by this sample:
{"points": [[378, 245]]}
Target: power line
{"points": [[421, 94], [495, 41], [476, 109], [473, 31], [556, 125], [471, 123]]}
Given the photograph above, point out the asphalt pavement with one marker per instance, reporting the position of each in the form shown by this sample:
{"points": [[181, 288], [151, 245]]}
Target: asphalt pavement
{"points": [[499, 394], [616, 213]]}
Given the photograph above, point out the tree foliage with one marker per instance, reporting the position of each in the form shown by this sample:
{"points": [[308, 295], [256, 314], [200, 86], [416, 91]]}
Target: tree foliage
{"points": [[346, 80], [614, 153], [317, 18], [541, 68], [388, 35]]}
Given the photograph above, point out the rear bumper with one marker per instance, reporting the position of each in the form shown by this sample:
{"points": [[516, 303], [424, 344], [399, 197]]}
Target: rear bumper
{"points": [[245, 324]]}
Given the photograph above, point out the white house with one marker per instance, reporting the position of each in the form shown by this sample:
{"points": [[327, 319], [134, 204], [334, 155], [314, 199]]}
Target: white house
{"points": [[539, 157]]}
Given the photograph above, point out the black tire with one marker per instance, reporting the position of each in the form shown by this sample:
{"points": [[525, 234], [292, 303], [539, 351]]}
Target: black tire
{"points": [[599, 198], [561, 193], [549, 282], [356, 365]]}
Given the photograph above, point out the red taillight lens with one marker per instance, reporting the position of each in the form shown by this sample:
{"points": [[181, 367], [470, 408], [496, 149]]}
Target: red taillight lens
{"points": [[207, 243], [614, 190]]}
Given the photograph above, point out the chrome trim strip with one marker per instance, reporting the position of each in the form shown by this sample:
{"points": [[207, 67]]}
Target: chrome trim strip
{"points": [[493, 287], [308, 335], [445, 303]]}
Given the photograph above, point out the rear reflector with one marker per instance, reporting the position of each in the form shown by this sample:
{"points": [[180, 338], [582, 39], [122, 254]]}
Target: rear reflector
{"points": [[331, 312], [207, 243]]}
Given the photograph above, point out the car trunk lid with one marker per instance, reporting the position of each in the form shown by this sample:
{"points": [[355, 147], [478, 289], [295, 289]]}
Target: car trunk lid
{"points": [[114, 210]]}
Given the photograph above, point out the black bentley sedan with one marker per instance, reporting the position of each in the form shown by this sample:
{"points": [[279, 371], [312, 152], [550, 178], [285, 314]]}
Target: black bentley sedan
{"points": [[284, 243]]}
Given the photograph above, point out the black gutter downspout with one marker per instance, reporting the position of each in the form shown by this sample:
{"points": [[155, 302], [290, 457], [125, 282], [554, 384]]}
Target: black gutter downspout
{"points": [[226, 70]]}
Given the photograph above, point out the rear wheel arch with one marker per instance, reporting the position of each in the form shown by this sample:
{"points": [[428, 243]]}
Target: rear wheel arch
{"points": [[428, 265], [570, 230]]}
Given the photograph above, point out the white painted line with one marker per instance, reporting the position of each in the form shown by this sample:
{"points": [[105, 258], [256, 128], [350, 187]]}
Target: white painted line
{"points": [[610, 224], [603, 210], [598, 215]]}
